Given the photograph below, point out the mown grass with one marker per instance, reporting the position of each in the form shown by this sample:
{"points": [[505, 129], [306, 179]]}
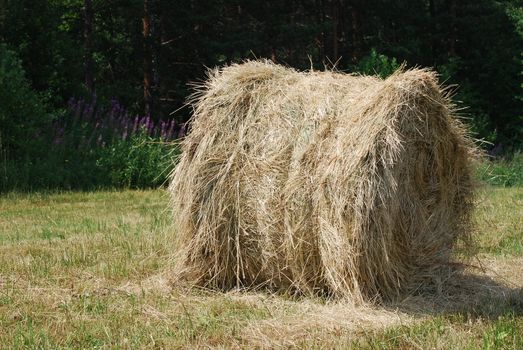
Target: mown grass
{"points": [[507, 171], [451, 332], [85, 270], [499, 218]]}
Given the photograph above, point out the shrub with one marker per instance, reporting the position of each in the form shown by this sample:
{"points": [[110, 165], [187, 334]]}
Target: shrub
{"points": [[377, 64], [470, 100], [22, 111], [92, 147], [141, 161]]}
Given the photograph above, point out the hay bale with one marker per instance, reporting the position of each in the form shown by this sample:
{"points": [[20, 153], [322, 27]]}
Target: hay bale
{"points": [[320, 182]]}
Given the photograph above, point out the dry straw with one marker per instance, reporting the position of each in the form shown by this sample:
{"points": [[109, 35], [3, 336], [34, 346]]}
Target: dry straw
{"points": [[320, 182]]}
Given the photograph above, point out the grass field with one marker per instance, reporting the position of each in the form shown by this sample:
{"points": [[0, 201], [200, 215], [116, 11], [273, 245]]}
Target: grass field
{"points": [[91, 270]]}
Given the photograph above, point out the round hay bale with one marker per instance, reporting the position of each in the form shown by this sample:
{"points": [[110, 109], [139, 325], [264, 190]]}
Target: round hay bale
{"points": [[320, 182]]}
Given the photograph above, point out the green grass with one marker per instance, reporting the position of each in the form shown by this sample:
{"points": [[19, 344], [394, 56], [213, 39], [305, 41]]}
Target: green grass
{"points": [[505, 172], [451, 332], [499, 218], [84, 270]]}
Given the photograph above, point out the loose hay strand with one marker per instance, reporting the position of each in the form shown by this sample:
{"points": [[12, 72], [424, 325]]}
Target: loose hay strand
{"points": [[320, 182]]}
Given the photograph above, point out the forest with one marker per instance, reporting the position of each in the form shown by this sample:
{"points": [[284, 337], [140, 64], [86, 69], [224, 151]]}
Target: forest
{"points": [[93, 92]]}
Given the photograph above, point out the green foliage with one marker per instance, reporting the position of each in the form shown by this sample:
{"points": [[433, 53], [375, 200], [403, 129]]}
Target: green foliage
{"points": [[505, 172], [141, 161], [138, 162], [486, 65], [474, 44], [377, 64], [468, 98], [58, 168], [22, 110]]}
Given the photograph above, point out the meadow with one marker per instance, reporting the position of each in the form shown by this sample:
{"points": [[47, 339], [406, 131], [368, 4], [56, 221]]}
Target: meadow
{"points": [[92, 270]]}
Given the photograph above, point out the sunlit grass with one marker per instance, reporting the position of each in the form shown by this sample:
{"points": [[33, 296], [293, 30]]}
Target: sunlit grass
{"points": [[499, 218], [85, 270]]}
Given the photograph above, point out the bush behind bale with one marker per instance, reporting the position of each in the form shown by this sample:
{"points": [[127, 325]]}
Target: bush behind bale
{"points": [[320, 182]]}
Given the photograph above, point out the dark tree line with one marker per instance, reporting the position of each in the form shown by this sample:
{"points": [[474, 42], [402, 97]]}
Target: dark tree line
{"points": [[144, 53]]}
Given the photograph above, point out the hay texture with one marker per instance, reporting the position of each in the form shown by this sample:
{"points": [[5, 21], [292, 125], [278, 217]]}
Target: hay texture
{"points": [[320, 182]]}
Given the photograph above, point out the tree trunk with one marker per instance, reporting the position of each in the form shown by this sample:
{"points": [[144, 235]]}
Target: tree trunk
{"points": [[88, 46], [320, 39], [3, 16], [147, 60], [433, 34], [273, 54], [335, 30], [451, 7], [356, 35]]}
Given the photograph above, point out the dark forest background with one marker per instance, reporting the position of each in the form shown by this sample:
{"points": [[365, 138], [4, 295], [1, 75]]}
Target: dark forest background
{"points": [[85, 84]]}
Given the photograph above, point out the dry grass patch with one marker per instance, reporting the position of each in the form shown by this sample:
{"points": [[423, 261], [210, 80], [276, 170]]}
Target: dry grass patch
{"points": [[106, 285]]}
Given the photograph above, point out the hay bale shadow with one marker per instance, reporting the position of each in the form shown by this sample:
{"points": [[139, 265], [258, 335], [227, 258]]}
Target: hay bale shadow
{"points": [[476, 295]]}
